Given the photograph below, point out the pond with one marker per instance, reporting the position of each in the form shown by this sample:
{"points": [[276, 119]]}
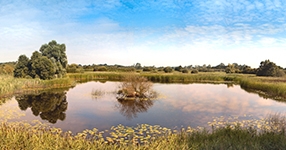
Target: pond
{"points": [[178, 105]]}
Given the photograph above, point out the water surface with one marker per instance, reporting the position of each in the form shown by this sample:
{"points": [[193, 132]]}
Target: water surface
{"points": [[178, 105]]}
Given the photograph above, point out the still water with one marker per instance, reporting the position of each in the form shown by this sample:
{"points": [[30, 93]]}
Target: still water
{"points": [[177, 105]]}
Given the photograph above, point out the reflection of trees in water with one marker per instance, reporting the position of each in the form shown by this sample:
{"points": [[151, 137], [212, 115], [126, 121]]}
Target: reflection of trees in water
{"points": [[50, 106], [130, 108]]}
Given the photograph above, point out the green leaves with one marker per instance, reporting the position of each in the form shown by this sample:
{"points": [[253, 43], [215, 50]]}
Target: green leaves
{"points": [[50, 62]]}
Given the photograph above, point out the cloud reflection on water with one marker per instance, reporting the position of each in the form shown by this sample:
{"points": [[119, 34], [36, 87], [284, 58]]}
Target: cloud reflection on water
{"points": [[181, 104]]}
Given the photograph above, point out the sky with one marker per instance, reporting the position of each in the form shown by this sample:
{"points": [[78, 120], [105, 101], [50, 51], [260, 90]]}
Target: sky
{"points": [[149, 32]]}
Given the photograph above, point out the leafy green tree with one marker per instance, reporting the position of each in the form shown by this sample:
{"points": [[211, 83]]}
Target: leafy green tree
{"points": [[268, 68], [74, 68], [179, 68], [49, 63], [57, 54], [41, 67], [21, 68]]}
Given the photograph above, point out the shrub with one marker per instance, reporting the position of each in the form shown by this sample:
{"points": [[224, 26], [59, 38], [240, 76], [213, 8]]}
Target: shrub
{"points": [[185, 71], [168, 70], [195, 71]]}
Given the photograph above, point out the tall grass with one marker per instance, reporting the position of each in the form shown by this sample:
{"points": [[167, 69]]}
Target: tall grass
{"points": [[266, 88], [10, 85], [89, 76], [266, 133]]}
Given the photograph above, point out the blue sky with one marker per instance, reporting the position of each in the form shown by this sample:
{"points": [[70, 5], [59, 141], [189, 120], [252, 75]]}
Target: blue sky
{"points": [[151, 32]]}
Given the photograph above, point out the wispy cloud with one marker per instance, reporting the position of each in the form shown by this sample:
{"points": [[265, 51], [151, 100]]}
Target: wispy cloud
{"points": [[117, 30]]}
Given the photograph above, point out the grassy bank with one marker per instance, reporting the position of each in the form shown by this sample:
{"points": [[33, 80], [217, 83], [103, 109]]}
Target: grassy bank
{"points": [[247, 134], [10, 85], [269, 87], [266, 86]]}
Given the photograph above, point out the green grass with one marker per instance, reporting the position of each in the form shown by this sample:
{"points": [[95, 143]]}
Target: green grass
{"points": [[230, 134], [268, 87], [10, 85]]}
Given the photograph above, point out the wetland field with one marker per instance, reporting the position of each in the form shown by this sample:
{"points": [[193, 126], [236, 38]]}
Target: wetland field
{"points": [[82, 109]]}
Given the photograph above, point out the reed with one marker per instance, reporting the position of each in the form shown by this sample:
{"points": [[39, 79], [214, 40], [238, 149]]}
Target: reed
{"points": [[10, 85], [265, 87], [89, 76]]}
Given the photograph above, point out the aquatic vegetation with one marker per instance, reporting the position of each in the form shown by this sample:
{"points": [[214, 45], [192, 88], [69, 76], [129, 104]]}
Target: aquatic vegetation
{"points": [[226, 133], [134, 86], [96, 93]]}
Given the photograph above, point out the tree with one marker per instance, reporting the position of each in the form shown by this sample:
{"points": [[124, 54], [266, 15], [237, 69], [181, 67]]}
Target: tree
{"points": [[185, 71], [268, 68], [49, 63], [138, 66], [179, 68], [230, 68], [44, 68], [57, 53], [168, 70], [21, 68], [135, 86]]}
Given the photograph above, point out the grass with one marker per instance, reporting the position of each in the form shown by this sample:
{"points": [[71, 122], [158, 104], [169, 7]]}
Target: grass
{"points": [[254, 134], [269, 87], [265, 87], [10, 85], [266, 133]]}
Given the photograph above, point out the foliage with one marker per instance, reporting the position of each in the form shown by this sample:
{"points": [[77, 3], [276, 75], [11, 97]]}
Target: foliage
{"points": [[168, 69], [230, 69], [57, 53], [100, 68], [135, 86], [50, 63], [150, 68], [74, 68], [195, 71], [268, 68], [179, 68], [7, 68], [185, 71], [21, 68]]}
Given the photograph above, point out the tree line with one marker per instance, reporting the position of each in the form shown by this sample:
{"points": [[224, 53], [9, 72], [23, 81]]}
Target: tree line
{"points": [[266, 68], [51, 62]]}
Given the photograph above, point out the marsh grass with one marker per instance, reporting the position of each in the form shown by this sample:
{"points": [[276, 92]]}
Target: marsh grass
{"points": [[265, 87], [89, 76], [225, 133], [10, 85]]}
